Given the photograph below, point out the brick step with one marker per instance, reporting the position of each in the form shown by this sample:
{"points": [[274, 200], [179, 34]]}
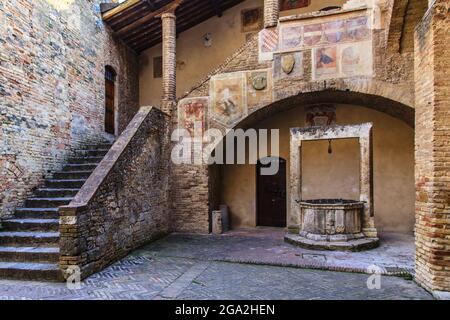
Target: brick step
{"points": [[31, 224], [29, 238], [84, 160], [64, 183], [80, 166], [82, 174], [30, 271], [47, 202], [91, 152], [37, 213], [29, 254], [56, 192]]}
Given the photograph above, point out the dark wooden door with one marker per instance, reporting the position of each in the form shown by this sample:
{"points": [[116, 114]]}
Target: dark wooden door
{"points": [[271, 196], [109, 106]]}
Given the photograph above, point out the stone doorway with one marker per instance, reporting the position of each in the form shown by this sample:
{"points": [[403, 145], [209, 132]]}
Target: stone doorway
{"points": [[271, 194]]}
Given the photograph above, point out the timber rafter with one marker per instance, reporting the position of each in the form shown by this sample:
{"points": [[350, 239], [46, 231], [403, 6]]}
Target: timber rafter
{"points": [[137, 22]]}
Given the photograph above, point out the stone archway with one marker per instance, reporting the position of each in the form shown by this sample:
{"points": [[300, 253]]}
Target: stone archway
{"points": [[381, 104]]}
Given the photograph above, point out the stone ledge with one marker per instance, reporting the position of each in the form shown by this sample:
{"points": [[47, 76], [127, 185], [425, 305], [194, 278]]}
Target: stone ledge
{"points": [[352, 245]]}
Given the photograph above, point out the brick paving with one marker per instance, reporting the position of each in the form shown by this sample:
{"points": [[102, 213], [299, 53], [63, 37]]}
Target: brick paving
{"points": [[153, 272], [395, 255]]}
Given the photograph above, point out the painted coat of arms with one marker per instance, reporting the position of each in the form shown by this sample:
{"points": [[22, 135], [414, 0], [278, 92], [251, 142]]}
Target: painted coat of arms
{"points": [[228, 98], [192, 115]]}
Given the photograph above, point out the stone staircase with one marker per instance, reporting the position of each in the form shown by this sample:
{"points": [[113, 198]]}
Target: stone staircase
{"points": [[29, 241]]}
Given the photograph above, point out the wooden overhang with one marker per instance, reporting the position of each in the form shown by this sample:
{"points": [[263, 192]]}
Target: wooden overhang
{"points": [[137, 22]]}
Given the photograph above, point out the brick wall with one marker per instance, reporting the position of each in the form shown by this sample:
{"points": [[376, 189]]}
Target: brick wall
{"points": [[124, 203], [193, 196], [433, 148], [52, 60]]}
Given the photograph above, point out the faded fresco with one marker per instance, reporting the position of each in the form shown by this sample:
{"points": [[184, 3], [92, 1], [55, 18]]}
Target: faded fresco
{"points": [[291, 37], [325, 62], [320, 115], [259, 88], [228, 97], [288, 65], [192, 115], [299, 36], [268, 43], [252, 19], [293, 4], [356, 59]]}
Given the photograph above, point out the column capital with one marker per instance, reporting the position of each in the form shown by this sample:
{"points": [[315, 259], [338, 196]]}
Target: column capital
{"points": [[169, 10], [168, 15]]}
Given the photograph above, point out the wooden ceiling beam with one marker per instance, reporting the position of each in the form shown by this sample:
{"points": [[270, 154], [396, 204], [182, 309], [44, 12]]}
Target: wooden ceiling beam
{"points": [[151, 5], [120, 9], [216, 6], [183, 14], [147, 18], [136, 23]]}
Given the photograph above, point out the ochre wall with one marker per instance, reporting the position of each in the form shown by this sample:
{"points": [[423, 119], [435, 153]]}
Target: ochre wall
{"points": [[194, 60], [393, 169], [339, 175]]}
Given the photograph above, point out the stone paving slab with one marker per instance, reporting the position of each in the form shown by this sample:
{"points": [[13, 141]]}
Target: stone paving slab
{"points": [[394, 256], [151, 273], [144, 278]]}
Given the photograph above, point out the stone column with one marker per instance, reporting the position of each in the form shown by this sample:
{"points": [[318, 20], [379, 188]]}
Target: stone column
{"points": [[169, 34], [432, 140], [271, 13]]}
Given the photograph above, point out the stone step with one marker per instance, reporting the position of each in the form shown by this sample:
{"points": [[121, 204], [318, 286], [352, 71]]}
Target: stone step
{"points": [[37, 213], [84, 174], [65, 183], [104, 146], [91, 152], [29, 238], [29, 254], [47, 202], [30, 271], [31, 224], [80, 166], [56, 192], [86, 159]]}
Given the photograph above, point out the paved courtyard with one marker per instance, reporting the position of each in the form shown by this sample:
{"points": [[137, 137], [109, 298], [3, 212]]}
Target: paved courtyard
{"points": [[209, 267]]}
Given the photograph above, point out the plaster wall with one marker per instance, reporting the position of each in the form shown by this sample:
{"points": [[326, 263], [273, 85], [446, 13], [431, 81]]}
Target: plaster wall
{"points": [[393, 169]]}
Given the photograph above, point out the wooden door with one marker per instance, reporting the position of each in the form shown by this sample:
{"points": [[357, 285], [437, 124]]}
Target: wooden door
{"points": [[109, 106], [271, 196]]}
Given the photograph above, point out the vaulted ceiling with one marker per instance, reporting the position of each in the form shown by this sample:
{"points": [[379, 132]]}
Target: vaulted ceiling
{"points": [[136, 22]]}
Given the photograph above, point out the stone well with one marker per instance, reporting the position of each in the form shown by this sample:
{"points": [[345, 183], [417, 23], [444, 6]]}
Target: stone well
{"points": [[332, 224]]}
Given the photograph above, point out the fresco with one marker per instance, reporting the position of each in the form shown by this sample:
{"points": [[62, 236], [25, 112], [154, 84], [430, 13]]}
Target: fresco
{"points": [[293, 4], [294, 36], [228, 97], [192, 115], [291, 37], [259, 88], [357, 29], [320, 115], [325, 62], [268, 43], [288, 65], [356, 59], [252, 19]]}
